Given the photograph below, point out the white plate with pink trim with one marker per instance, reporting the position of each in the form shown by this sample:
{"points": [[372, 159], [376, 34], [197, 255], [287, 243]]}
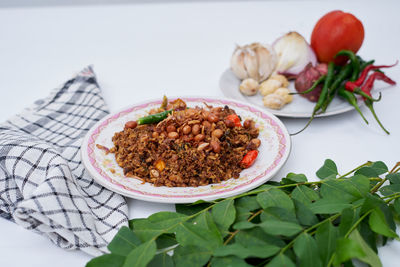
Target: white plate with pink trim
{"points": [[273, 153]]}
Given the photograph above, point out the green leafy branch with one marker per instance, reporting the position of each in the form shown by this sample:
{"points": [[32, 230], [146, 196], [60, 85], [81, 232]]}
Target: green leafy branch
{"points": [[328, 222]]}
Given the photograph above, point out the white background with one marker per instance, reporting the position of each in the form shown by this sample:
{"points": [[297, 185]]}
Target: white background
{"points": [[143, 51]]}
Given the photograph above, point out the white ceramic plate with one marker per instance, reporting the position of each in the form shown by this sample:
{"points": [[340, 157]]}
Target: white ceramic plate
{"points": [[300, 107], [273, 152]]}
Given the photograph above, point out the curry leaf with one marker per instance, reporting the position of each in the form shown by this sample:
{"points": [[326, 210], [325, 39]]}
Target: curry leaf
{"points": [[243, 252], [394, 178], [195, 235], [161, 260], [123, 242], [228, 261], [305, 247], [293, 178], [329, 169], [370, 256], [281, 260], [275, 227], [347, 249], [224, 213], [277, 213], [304, 194], [191, 256], [327, 206], [378, 224], [142, 255], [107, 260], [390, 189], [275, 198], [304, 215], [326, 236]]}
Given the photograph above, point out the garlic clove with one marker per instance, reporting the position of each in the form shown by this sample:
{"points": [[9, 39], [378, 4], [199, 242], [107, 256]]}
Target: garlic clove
{"points": [[237, 63], [249, 86], [281, 78], [269, 86], [251, 63], [273, 101], [284, 92], [267, 60]]}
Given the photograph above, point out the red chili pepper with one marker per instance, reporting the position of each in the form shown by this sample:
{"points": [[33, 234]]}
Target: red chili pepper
{"points": [[367, 69], [368, 85], [235, 118], [249, 159]]}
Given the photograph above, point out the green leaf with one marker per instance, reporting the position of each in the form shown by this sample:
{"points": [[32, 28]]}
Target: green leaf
{"points": [[224, 214], [379, 167], [257, 237], [370, 256], [329, 169], [106, 260], [281, 260], [347, 249], [378, 224], [192, 234], [371, 202], [165, 241], [396, 205], [394, 178], [368, 235], [229, 261], [367, 172], [304, 215], [293, 178], [304, 194], [243, 252], [142, 228], [306, 250], [275, 198], [161, 260], [245, 206], [390, 189], [347, 219], [205, 220], [277, 213], [142, 255], [157, 224], [123, 242], [275, 227], [328, 206], [244, 225], [347, 190], [326, 236], [190, 209], [191, 256]]}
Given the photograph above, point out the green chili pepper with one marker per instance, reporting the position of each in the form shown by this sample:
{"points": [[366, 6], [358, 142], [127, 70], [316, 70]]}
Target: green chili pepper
{"points": [[369, 104], [315, 84], [351, 98], [323, 96], [154, 118], [353, 61], [344, 73]]}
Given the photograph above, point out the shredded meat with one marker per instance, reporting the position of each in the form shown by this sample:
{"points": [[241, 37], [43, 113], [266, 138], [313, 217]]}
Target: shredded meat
{"points": [[185, 149]]}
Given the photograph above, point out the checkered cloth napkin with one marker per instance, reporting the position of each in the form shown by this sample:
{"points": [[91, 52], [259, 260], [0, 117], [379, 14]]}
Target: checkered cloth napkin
{"points": [[44, 187]]}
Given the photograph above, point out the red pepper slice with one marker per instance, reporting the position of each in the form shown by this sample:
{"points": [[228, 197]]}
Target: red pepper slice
{"points": [[249, 159], [365, 72], [235, 118]]}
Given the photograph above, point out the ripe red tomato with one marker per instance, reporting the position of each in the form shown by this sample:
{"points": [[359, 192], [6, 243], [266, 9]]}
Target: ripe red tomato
{"points": [[336, 31]]}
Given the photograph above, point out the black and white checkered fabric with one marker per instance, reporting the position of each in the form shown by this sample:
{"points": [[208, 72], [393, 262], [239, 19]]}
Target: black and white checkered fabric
{"points": [[44, 187]]}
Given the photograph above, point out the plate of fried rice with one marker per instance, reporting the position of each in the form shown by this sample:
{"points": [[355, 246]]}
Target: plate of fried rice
{"points": [[181, 150]]}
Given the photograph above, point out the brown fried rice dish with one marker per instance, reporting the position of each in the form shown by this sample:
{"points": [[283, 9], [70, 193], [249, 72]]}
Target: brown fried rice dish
{"points": [[191, 147]]}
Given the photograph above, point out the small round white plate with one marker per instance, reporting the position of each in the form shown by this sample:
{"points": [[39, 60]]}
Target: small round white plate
{"points": [[273, 153], [300, 107]]}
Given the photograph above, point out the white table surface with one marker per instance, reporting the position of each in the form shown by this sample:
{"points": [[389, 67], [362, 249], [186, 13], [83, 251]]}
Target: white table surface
{"points": [[146, 50]]}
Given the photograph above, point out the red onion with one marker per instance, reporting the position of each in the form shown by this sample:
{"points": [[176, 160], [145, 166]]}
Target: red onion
{"points": [[306, 79]]}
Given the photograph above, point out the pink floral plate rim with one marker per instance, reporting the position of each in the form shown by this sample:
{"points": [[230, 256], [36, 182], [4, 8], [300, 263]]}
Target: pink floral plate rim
{"points": [[89, 144]]}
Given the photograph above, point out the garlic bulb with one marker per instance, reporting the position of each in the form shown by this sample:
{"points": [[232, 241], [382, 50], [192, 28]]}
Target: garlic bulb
{"points": [[294, 53], [256, 61], [249, 86]]}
